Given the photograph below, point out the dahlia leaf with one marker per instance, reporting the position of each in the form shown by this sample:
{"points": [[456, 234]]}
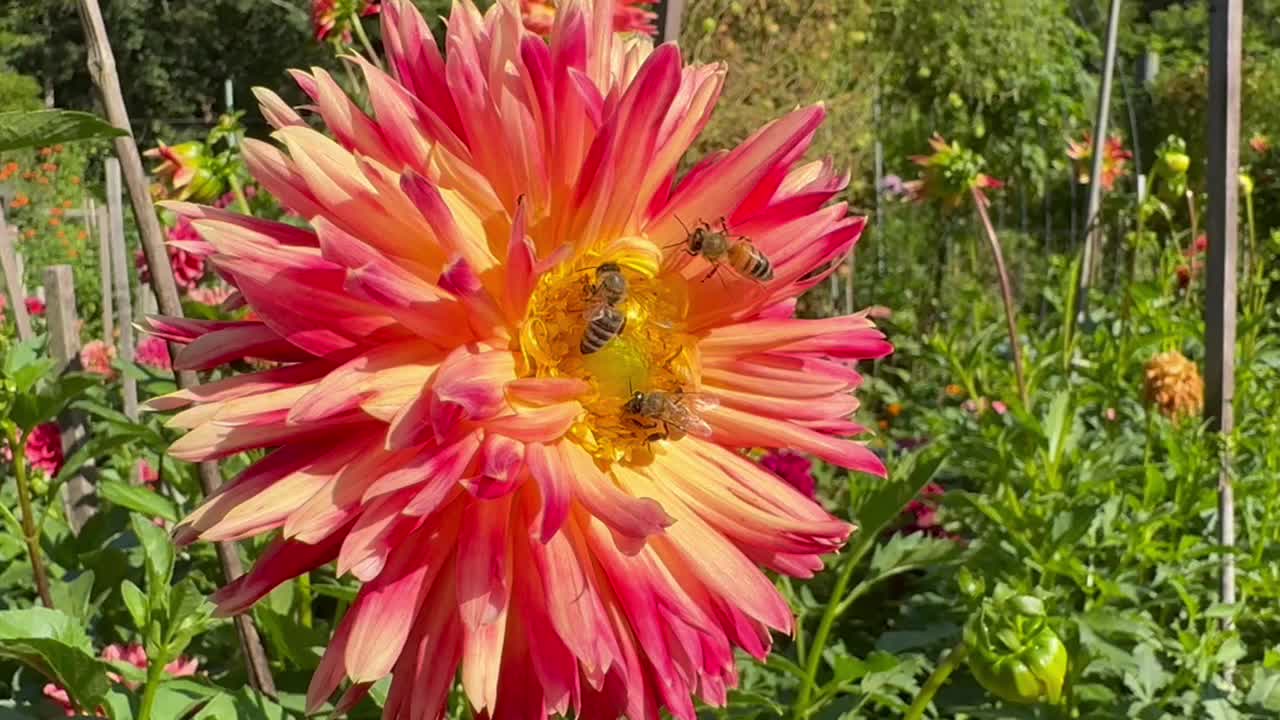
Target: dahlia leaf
{"points": [[138, 498], [136, 603], [159, 553], [74, 597], [46, 127], [55, 645]]}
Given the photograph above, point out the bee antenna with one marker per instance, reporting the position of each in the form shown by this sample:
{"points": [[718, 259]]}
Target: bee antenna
{"points": [[682, 225]]}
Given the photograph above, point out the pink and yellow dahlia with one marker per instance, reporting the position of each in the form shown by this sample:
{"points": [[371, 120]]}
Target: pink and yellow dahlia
{"points": [[185, 172], [1114, 159], [97, 357], [338, 16], [434, 428], [628, 16], [950, 175]]}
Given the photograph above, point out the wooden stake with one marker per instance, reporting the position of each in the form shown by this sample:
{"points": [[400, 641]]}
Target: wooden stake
{"points": [[1093, 225], [670, 20], [1226, 18], [79, 496], [120, 278], [102, 70], [13, 280], [102, 228]]}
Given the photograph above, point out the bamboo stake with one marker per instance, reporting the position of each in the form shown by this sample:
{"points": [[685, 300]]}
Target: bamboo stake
{"points": [[1092, 226], [1220, 280], [102, 69], [101, 227]]}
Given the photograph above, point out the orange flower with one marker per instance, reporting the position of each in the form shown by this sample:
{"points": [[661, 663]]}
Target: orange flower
{"points": [[54, 222], [62, 234], [67, 204], [894, 409], [42, 180], [29, 175], [884, 424], [49, 167], [73, 253], [954, 390], [20, 201], [82, 235], [28, 234], [12, 167], [55, 211], [75, 179], [57, 148], [46, 152]]}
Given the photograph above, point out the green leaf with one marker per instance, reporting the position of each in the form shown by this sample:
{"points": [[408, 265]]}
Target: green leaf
{"points": [[45, 127], [242, 705], [1265, 692], [74, 597], [56, 646], [160, 555], [136, 602], [139, 498]]}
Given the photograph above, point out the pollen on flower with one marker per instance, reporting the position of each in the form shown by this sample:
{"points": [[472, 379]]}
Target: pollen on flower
{"points": [[653, 352]]}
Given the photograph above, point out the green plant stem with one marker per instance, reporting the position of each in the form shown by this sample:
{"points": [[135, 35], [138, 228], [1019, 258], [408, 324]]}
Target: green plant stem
{"points": [[364, 40], [820, 636], [30, 533], [155, 671], [937, 679], [238, 189], [304, 599], [1006, 294]]}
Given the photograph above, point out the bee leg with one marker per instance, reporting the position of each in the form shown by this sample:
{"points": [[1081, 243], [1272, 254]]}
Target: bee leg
{"points": [[714, 269]]}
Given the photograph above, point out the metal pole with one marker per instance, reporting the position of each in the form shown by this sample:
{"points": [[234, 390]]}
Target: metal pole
{"points": [[1226, 18], [670, 19], [229, 101], [1092, 227]]}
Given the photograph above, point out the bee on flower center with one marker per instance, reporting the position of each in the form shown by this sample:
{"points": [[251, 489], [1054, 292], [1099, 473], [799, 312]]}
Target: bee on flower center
{"points": [[720, 247], [605, 319], [670, 414]]}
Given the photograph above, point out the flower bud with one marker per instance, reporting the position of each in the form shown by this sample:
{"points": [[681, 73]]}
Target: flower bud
{"points": [[1013, 652], [1246, 184]]}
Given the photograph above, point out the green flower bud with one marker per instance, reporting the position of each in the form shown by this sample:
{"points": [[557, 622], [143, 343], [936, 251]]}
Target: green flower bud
{"points": [[1176, 163], [1246, 184], [1013, 652], [39, 483]]}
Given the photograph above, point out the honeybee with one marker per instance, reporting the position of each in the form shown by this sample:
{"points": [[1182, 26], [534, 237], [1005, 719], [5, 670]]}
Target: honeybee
{"points": [[720, 247], [605, 320], [671, 414]]}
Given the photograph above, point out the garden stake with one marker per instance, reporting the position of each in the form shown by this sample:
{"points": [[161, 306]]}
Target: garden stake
{"points": [[1220, 281], [1092, 228], [1006, 294], [670, 18], [13, 280], [79, 496], [123, 286], [102, 69]]}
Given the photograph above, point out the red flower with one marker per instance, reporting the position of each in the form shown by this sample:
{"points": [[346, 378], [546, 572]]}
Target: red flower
{"points": [[184, 257], [1114, 159], [35, 306], [328, 16], [795, 469], [43, 449]]}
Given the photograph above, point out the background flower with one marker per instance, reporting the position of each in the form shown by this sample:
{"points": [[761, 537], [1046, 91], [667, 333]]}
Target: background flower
{"points": [[96, 357]]}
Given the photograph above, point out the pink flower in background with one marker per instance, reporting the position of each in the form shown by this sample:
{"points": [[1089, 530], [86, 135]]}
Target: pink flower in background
{"points": [[628, 16], [35, 306], [794, 468], [999, 407], [211, 296], [133, 655], [96, 357], [153, 352], [147, 473], [186, 256], [44, 449], [921, 515], [1109, 414], [4, 304], [330, 16]]}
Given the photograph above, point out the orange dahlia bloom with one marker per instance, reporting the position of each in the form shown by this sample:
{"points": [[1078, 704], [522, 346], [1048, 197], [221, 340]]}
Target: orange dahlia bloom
{"points": [[514, 513], [1114, 160], [628, 16], [1173, 385]]}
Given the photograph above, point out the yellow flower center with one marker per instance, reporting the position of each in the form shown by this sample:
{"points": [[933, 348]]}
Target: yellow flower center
{"points": [[653, 353]]}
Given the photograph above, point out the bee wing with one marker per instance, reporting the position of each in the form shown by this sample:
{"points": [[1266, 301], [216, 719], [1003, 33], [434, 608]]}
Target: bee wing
{"points": [[684, 414], [596, 307]]}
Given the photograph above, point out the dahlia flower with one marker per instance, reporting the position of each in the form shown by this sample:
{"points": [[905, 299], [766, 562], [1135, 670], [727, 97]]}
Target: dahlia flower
{"points": [[44, 448], [35, 306], [628, 16], [185, 172], [133, 655], [1173, 385], [795, 470], [153, 352], [186, 256], [949, 175], [330, 16], [96, 357], [434, 427], [1114, 159]]}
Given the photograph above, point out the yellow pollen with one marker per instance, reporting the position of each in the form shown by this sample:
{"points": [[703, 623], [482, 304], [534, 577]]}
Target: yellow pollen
{"points": [[653, 353]]}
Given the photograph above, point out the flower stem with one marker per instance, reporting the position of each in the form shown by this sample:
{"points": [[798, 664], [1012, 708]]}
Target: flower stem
{"points": [[155, 671], [364, 40], [937, 679], [1007, 295], [820, 637], [238, 189], [304, 599], [30, 533]]}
